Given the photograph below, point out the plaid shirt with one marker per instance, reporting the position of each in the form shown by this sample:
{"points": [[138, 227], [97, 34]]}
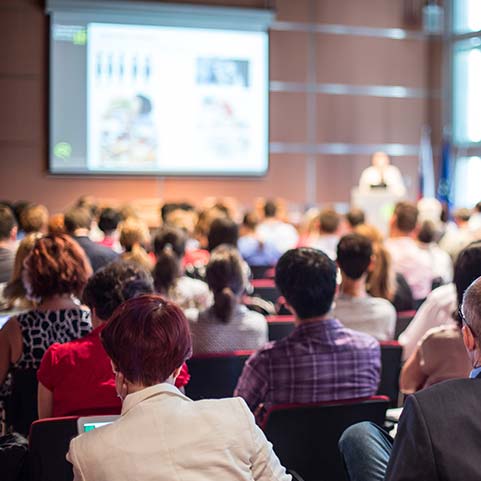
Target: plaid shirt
{"points": [[319, 361]]}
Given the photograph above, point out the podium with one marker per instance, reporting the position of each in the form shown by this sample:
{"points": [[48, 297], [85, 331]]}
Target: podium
{"points": [[377, 204]]}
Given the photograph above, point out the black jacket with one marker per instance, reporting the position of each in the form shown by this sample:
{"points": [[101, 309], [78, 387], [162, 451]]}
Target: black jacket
{"points": [[439, 435], [98, 254]]}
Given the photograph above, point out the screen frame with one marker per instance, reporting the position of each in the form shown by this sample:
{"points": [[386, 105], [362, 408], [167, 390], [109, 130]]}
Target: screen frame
{"points": [[157, 174]]}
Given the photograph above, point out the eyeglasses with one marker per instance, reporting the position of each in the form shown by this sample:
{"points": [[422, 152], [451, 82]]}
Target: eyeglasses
{"points": [[465, 322]]}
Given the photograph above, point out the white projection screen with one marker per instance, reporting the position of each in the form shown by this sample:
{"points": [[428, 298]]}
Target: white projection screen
{"points": [[157, 89]]}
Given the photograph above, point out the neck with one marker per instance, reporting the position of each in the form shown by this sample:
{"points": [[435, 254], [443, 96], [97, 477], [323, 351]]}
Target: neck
{"points": [[396, 233], [57, 301], [298, 321], [81, 232], [353, 287]]}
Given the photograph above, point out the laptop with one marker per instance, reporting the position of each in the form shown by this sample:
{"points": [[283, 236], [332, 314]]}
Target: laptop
{"points": [[89, 423]]}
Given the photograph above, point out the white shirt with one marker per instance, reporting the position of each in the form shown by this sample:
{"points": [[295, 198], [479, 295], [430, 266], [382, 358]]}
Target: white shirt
{"points": [[245, 330], [413, 263], [371, 315], [163, 435], [190, 293], [279, 234], [391, 177], [441, 262], [326, 243], [435, 311]]}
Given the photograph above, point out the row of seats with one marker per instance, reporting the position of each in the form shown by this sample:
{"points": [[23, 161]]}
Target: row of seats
{"points": [[304, 437]]}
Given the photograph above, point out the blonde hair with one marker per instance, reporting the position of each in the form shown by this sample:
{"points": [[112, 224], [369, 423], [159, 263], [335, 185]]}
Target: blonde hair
{"points": [[381, 280], [133, 235]]}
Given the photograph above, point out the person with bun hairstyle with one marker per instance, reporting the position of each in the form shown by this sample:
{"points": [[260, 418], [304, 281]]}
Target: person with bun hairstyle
{"points": [[169, 278], [227, 325]]}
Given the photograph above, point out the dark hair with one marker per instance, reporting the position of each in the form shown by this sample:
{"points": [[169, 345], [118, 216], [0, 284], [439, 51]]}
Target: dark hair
{"points": [[406, 214], [306, 278], [467, 268], [167, 208], [109, 219], [427, 232], [7, 222], [169, 248], [147, 338], [222, 231], [354, 253], [77, 218], [462, 214], [113, 284], [250, 220], [18, 208], [34, 218], [88, 202], [270, 208], [226, 279], [56, 265], [356, 217], [477, 207], [329, 221]]}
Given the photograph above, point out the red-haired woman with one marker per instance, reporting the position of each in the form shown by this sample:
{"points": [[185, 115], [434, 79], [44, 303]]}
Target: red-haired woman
{"points": [[161, 434], [56, 272]]}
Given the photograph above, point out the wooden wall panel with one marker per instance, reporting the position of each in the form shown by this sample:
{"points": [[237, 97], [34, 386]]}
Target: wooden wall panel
{"points": [[288, 117], [288, 56]]}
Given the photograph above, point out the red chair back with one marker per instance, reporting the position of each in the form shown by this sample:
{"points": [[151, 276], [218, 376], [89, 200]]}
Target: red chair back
{"points": [[266, 289], [305, 436], [215, 376]]}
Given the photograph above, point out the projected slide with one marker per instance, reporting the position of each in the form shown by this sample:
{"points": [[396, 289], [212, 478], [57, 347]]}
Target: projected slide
{"points": [[160, 100]]}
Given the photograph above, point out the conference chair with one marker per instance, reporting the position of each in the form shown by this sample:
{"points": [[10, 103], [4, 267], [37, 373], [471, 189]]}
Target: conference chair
{"points": [[403, 320], [49, 443], [305, 436], [215, 375], [391, 360], [266, 288], [262, 272], [280, 326]]}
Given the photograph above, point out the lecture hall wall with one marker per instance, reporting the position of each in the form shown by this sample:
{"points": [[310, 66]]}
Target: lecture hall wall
{"points": [[298, 119]]}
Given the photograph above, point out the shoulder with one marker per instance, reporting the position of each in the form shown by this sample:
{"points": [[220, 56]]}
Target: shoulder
{"points": [[445, 331], [361, 340], [454, 392], [383, 305]]}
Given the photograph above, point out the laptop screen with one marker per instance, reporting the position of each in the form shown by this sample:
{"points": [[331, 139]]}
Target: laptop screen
{"points": [[89, 423]]}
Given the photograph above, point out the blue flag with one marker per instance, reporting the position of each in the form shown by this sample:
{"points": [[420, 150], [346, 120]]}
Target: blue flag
{"points": [[444, 193]]}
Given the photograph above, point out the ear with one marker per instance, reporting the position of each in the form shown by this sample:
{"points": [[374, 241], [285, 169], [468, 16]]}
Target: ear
{"points": [[13, 233], [468, 338]]}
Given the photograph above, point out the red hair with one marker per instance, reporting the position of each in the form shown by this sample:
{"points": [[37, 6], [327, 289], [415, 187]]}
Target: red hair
{"points": [[147, 338], [57, 265]]}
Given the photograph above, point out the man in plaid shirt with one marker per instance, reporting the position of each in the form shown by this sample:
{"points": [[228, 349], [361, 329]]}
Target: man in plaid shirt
{"points": [[321, 360]]}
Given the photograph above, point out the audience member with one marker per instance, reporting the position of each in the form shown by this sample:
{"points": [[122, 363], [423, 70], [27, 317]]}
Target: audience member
{"points": [[227, 325], [441, 263], [275, 232], [328, 237], [134, 235], [459, 235], [77, 222], [15, 293], [148, 340], [254, 251], [18, 208], [109, 220], [355, 217], [408, 258], [440, 305], [8, 234], [354, 307], [321, 360], [382, 280], [34, 218], [169, 278], [439, 430], [64, 388], [56, 225], [475, 220], [223, 230], [56, 272]]}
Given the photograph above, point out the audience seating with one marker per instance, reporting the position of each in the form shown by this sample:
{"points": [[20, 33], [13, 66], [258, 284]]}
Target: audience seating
{"points": [[215, 375], [262, 272], [280, 326], [305, 436], [49, 444], [391, 359], [266, 289], [402, 322]]}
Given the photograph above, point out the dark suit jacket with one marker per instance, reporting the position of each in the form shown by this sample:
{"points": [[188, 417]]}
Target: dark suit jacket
{"points": [[98, 255], [439, 435]]}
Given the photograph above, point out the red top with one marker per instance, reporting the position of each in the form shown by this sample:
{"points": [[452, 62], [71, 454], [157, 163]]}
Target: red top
{"points": [[80, 376]]}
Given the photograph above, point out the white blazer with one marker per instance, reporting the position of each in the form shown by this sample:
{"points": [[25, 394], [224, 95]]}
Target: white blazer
{"points": [[163, 435]]}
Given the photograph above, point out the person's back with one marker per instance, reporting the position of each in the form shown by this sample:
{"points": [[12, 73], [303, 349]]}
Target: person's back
{"points": [[321, 360], [408, 258], [353, 306]]}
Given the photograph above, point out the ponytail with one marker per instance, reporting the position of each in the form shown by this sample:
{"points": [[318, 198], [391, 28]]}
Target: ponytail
{"points": [[224, 303], [166, 270]]}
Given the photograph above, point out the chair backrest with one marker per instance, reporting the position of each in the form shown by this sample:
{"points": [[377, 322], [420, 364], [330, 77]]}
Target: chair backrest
{"points": [[305, 437], [21, 407], [215, 375], [402, 322], [280, 326], [262, 272], [266, 288], [49, 444], [391, 358]]}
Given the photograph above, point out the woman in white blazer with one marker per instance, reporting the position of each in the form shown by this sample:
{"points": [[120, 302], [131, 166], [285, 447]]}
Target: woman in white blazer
{"points": [[161, 434]]}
